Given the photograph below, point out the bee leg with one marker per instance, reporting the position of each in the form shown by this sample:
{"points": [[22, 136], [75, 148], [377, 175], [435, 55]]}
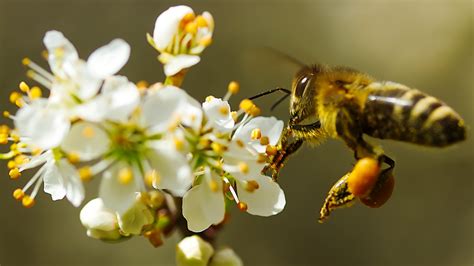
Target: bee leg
{"points": [[285, 149], [339, 196]]}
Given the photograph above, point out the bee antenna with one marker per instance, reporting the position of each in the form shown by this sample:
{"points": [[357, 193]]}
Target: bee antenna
{"points": [[278, 102], [288, 92]]}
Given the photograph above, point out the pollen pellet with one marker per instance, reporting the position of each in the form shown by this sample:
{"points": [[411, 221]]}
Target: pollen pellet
{"points": [[125, 176], [363, 177], [264, 140], [242, 206], [23, 86], [234, 87], [27, 201], [380, 195], [18, 194], [14, 173], [256, 134]]}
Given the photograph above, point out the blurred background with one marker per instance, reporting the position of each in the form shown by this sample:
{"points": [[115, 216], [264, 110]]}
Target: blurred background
{"points": [[424, 44]]}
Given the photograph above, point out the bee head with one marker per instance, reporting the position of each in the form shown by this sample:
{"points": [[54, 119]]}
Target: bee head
{"points": [[303, 92]]}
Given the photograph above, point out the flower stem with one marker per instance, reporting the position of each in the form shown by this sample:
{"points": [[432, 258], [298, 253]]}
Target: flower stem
{"points": [[177, 79]]}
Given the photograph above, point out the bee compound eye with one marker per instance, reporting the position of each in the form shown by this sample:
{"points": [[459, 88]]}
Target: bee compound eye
{"points": [[301, 86]]}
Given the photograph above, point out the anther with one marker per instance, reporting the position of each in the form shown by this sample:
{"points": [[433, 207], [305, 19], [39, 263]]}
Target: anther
{"points": [[244, 168], [14, 173], [224, 110], [3, 138], [150, 177], [125, 176], [214, 186], [21, 159], [6, 114], [142, 84], [73, 158], [246, 105], [14, 97], [271, 150], [4, 129], [204, 143], [209, 98], [201, 21], [242, 206], [255, 111], [233, 87], [27, 201], [240, 143], [256, 134], [26, 61], [191, 27], [261, 158], [35, 93], [18, 194], [206, 41], [264, 140], [188, 17], [252, 185], [218, 148], [23, 86], [11, 164], [88, 132], [178, 144], [234, 115], [85, 173]]}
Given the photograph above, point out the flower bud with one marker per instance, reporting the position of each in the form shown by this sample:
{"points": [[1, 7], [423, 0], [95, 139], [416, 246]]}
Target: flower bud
{"points": [[101, 223], [226, 257], [193, 251], [133, 220]]}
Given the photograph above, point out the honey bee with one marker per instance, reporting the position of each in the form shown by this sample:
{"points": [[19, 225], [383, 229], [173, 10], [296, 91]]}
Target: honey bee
{"points": [[343, 103]]}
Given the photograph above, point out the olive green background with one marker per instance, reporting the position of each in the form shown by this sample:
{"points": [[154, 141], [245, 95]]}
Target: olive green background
{"points": [[423, 44]]}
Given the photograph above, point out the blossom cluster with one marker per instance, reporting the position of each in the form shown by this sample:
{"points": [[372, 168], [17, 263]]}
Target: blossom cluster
{"points": [[159, 153]]}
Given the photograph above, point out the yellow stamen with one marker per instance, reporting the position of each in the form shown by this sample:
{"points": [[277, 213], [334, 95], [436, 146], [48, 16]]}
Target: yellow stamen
{"points": [[45, 54], [125, 176], [14, 147], [18, 194], [240, 143], [201, 21], [244, 168], [209, 98], [27, 201], [214, 186], [224, 110], [4, 129], [23, 86], [252, 185], [204, 143], [271, 150], [150, 177], [264, 140], [206, 41], [242, 206], [178, 143], [26, 61], [11, 164], [233, 87], [188, 17], [246, 105], [88, 132], [85, 173], [14, 173], [14, 96], [15, 137], [261, 158], [142, 84], [255, 111], [19, 102], [73, 158], [6, 114], [256, 134], [191, 27], [35, 93], [234, 116], [21, 159], [218, 148], [3, 138], [36, 151]]}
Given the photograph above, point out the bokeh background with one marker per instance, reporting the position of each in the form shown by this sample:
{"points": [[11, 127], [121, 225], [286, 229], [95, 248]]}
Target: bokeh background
{"points": [[423, 44]]}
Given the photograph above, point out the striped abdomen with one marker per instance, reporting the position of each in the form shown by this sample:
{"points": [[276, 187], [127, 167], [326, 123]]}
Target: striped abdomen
{"points": [[394, 111]]}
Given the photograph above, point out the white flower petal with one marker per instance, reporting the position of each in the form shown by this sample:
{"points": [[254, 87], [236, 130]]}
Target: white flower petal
{"points": [[177, 63], [203, 207], [267, 200], [167, 101], [193, 251], [269, 126], [172, 168], [109, 59], [116, 195], [191, 113], [72, 182], [133, 220], [46, 127], [121, 101], [86, 85], [60, 52], [219, 115], [87, 140], [53, 181], [167, 24], [94, 215]]}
